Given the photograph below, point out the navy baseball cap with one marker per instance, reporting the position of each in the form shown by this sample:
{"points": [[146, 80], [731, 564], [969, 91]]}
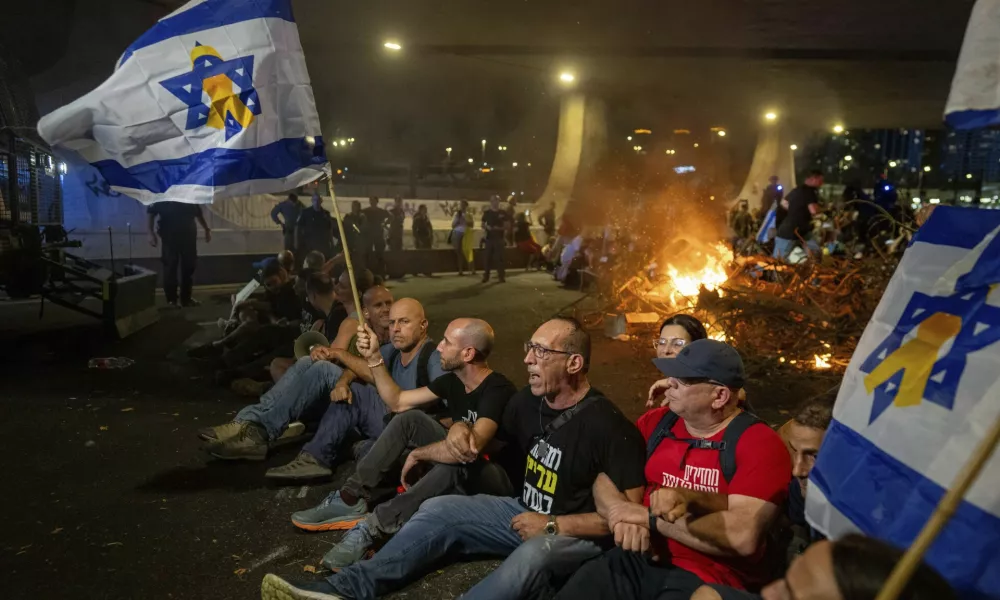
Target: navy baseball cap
{"points": [[264, 263], [709, 359]]}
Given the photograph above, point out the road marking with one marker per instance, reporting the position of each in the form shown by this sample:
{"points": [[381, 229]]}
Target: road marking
{"points": [[277, 553], [303, 491]]}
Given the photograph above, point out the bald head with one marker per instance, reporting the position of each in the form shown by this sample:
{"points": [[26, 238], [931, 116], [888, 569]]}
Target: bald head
{"points": [[465, 341], [407, 324], [377, 302]]}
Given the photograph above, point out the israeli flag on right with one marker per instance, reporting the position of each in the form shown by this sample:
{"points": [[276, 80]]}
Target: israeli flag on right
{"points": [[921, 391]]}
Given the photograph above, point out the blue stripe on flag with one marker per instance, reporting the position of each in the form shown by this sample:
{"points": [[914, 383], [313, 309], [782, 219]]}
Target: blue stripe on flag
{"points": [[217, 167], [957, 226], [210, 15], [973, 119], [887, 499], [768, 223]]}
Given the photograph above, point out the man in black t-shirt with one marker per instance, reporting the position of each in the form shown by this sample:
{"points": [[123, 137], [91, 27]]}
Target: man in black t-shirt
{"points": [[802, 203], [375, 220], [474, 398], [397, 217], [563, 433], [495, 223], [315, 229], [176, 228]]}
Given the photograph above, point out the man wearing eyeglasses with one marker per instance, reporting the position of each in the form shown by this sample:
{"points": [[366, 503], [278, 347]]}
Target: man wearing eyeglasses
{"points": [[564, 433], [715, 479]]}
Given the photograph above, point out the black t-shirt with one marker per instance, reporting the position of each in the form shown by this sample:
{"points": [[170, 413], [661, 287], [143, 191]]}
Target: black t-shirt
{"points": [[375, 216], [495, 218], [797, 222], [397, 216], [522, 231], [177, 219], [284, 302], [315, 229], [597, 439], [486, 401]]}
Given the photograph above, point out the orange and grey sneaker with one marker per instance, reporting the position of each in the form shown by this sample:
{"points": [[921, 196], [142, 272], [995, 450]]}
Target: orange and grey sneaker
{"points": [[332, 514]]}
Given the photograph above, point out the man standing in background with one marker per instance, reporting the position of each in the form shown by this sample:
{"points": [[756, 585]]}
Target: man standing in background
{"points": [[495, 225], [177, 230], [397, 216], [375, 218], [314, 229], [289, 210]]}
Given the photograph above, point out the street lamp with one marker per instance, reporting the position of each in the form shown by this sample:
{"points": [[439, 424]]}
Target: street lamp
{"points": [[484, 149], [567, 78], [471, 161], [514, 165], [794, 147], [448, 150], [771, 116], [722, 133], [838, 128], [968, 175], [892, 164], [848, 158], [927, 169], [393, 45]]}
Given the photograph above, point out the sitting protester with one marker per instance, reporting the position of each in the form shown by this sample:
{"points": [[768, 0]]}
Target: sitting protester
{"points": [[475, 397], [791, 535], [303, 393], [412, 361], [716, 477], [675, 333], [854, 567], [561, 433]]}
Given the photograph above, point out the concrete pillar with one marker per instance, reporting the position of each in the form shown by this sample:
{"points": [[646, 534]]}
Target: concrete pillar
{"points": [[773, 156], [581, 141]]}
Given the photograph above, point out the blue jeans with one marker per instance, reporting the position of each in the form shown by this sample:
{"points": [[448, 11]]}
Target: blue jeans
{"points": [[302, 393], [783, 247], [467, 526], [366, 413]]}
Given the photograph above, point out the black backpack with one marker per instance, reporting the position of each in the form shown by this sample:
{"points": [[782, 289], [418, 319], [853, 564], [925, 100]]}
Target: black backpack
{"points": [[726, 447], [423, 377]]}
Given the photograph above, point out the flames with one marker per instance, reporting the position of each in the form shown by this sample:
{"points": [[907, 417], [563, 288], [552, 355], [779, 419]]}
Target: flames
{"points": [[700, 266]]}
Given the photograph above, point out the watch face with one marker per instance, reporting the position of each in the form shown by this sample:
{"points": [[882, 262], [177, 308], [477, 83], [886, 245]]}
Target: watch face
{"points": [[550, 528]]}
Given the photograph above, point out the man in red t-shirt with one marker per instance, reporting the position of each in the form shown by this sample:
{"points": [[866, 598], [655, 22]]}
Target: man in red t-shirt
{"points": [[706, 510]]}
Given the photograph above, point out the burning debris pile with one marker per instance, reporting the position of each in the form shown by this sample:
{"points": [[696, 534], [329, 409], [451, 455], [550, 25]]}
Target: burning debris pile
{"points": [[809, 316]]}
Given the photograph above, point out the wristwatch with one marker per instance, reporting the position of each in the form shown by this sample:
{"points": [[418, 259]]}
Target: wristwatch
{"points": [[552, 527]]}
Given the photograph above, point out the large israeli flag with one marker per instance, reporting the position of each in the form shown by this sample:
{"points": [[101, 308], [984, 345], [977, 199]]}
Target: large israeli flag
{"points": [[974, 100], [213, 101], [920, 392]]}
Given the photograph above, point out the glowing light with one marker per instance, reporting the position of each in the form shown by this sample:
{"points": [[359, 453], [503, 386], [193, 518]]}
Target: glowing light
{"points": [[470, 161], [63, 168], [771, 116], [935, 200], [448, 150], [927, 169], [722, 133], [822, 362], [848, 158], [514, 165], [794, 147], [567, 77], [968, 175], [703, 267], [781, 359], [892, 163], [343, 142], [394, 46], [838, 128], [629, 138], [696, 144]]}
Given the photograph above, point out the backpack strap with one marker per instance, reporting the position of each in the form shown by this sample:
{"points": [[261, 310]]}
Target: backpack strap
{"points": [[423, 359], [727, 453], [661, 432]]}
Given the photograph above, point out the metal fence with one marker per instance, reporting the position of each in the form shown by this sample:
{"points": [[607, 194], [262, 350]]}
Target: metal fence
{"points": [[30, 183]]}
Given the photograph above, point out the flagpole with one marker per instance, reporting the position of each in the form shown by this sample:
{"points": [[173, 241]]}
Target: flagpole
{"points": [[942, 514], [347, 253]]}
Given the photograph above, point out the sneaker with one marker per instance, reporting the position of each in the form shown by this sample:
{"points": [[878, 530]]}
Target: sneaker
{"points": [[351, 549], [295, 432], [248, 387], [191, 303], [172, 305], [249, 444], [278, 588], [220, 432], [331, 515], [305, 466]]}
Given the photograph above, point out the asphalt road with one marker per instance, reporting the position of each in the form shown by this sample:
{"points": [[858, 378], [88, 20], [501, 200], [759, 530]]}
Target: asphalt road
{"points": [[109, 495]]}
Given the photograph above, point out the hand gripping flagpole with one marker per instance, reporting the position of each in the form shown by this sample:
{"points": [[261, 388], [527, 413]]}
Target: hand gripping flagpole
{"points": [[347, 253], [942, 514]]}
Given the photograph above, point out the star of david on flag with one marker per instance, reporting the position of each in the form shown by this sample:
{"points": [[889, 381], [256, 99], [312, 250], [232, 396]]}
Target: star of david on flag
{"points": [[214, 101], [922, 388]]}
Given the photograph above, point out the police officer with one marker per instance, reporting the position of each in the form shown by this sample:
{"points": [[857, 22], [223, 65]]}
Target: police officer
{"points": [[495, 223], [179, 250]]}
